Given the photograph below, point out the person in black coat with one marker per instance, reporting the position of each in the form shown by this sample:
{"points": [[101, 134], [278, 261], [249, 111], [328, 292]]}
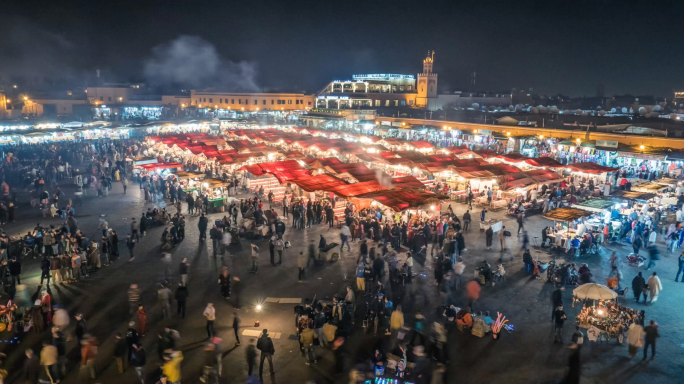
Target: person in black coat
{"points": [[143, 225], [45, 271], [638, 284], [15, 270], [119, 352], [265, 345], [378, 268], [202, 225], [181, 299], [132, 338], [574, 371]]}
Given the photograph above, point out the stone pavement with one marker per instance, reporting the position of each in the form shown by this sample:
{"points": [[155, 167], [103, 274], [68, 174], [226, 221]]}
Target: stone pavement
{"points": [[528, 355]]}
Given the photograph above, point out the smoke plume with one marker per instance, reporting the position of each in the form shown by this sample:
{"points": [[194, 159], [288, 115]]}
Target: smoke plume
{"points": [[194, 62], [384, 179]]}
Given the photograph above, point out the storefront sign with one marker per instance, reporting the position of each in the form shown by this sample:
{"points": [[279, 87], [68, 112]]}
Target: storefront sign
{"points": [[484, 131], [608, 144], [641, 156]]}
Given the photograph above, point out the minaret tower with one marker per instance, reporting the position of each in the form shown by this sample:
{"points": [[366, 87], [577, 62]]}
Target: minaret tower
{"points": [[427, 82]]}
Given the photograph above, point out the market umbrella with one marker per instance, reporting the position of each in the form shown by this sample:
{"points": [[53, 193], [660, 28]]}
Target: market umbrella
{"points": [[593, 291]]}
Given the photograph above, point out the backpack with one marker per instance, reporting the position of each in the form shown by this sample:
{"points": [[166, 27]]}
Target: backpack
{"points": [[507, 233]]}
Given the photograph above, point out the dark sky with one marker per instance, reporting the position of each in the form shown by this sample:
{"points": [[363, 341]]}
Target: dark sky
{"points": [[569, 47]]}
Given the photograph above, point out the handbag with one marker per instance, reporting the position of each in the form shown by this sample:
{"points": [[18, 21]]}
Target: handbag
{"points": [[507, 233]]}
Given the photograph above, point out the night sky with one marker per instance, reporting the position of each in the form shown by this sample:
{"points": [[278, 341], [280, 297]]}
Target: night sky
{"points": [[567, 47]]}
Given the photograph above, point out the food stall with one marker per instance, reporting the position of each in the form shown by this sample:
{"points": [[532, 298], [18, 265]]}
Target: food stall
{"points": [[189, 181], [154, 169], [602, 210], [632, 200], [218, 193], [605, 318], [563, 219]]}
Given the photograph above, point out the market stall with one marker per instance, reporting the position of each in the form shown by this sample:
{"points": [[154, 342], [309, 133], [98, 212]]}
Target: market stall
{"points": [[565, 226], [604, 318], [217, 191], [602, 210], [189, 181]]}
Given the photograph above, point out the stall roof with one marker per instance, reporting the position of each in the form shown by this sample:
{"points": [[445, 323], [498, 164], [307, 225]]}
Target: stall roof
{"points": [[400, 200], [633, 195], [214, 183], [319, 183], [486, 153], [595, 205], [324, 162], [545, 162], [591, 168], [421, 144], [190, 175], [667, 181], [648, 187], [160, 166], [513, 157], [566, 214], [287, 170]]}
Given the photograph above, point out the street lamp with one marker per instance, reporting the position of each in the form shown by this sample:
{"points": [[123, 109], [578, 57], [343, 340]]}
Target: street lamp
{"points": [[258, 310]]}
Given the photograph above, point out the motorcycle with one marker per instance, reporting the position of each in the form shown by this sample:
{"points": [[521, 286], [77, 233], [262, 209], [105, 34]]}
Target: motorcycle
{"points": [[635, 260]]}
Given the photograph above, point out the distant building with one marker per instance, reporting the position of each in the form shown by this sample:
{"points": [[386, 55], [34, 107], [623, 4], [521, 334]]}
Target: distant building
{"points": [[251, 101], [678, 99], [381, 90]]}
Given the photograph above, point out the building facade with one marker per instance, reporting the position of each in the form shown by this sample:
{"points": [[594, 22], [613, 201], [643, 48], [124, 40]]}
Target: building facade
{"points": [[381, 90], [251, 101]]}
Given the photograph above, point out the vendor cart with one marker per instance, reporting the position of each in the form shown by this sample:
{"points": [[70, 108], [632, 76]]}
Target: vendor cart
{"points": [[330, 253], [605, 319]]}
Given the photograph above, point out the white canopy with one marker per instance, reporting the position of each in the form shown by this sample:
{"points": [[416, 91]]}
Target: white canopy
{"points": [[593, 291]]}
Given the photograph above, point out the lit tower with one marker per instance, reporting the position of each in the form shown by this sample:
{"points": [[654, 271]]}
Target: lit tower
{"points": [[427, 82]]}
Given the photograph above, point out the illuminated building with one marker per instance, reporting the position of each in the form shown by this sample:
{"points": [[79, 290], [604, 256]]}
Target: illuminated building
{"points": [[381, 90], [251, 101], [678, 99]]}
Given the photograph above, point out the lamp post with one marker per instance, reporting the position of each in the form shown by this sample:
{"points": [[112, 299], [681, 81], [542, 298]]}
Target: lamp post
{"points": [[258, 310]]}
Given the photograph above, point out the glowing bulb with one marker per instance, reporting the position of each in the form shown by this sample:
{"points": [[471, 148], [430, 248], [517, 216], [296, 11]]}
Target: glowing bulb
{"points": [[258, 307], [432, 207], [508, 133], [642, 147]]}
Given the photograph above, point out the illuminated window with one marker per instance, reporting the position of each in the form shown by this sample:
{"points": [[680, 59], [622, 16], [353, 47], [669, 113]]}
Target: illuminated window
{"points": [[377, 103], [409, 87], [387, 103], [403, 102], [410, 102], [396, 103], [289, 101]]}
